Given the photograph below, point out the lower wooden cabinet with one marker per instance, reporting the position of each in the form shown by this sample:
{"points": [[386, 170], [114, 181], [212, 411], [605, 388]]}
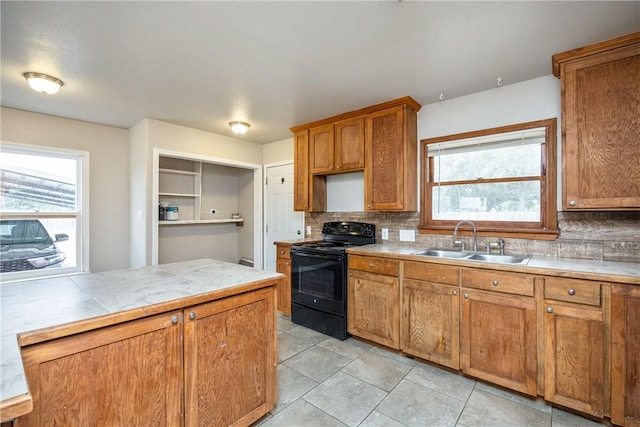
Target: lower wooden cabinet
{"points": [[498, 335], [230, 360], [574, 357], [625, 355], [283, 265], [128, 374], [373, 299], [213, 364], [430, 324]]}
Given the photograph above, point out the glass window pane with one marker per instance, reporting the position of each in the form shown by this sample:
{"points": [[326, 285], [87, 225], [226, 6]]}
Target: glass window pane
{"points": [[504, 201], [37, 183], [506, 162]]}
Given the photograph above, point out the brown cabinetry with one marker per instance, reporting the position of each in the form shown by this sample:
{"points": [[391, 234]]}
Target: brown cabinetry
{"points": [[337, 147], [430, 324], [601, 124], [212, 364], [625, 355], [344, 143], [373, 298], [230, 360], [498, 331], [283, 265], [390, 175], [574, 346]]}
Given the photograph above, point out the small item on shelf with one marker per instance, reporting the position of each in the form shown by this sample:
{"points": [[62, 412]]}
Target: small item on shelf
{"points": [[171, 213], [161, 212], [235, 216]]}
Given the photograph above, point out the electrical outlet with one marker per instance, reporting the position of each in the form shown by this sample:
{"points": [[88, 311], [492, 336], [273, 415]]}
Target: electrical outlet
{"points": [[308, 230], [407, 235], [213, 211], [385, 234]]}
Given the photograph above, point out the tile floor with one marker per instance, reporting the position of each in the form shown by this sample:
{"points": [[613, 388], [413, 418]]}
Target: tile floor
{"points": [[323, 381]]}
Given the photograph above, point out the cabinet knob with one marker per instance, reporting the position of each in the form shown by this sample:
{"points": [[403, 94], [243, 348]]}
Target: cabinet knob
{"points": [[371, 265], [571, 292], [466, 296], [192, 315], [454, 292], [175, 319], [572, 203], [338, 167], [281, 252], [495, 282], [330, 168], [549, 309], [369, 206]]}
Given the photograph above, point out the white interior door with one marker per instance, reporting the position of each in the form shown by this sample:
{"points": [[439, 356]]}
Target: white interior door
{"points": [[281, 222]]}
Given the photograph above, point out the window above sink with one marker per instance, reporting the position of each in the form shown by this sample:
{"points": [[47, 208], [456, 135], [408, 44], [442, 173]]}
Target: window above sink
{"points": [[503, 179]]}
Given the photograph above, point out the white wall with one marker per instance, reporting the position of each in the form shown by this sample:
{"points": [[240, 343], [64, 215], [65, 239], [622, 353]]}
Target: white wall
{"points": [[527, 101], [109, 183], [278, 151]]}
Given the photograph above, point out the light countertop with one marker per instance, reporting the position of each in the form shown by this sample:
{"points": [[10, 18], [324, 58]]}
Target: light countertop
{"points": [[50, 304], [623, 272]]}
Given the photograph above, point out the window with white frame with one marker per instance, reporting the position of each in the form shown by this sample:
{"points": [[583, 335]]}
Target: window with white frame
{"points": [[502, 179], [43, 206]]}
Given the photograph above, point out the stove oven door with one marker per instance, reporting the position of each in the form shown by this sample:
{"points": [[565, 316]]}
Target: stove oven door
{"points": [[318, 281]]}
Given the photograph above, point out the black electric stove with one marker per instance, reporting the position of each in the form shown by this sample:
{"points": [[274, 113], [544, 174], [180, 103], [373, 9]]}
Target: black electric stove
{"points": [[319, 277]]}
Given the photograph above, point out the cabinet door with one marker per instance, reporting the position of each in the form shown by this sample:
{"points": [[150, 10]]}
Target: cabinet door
{"points": [[573, 357], [391, 163], [499, 339], [301, 197], [283, 265], [321, 145], [374, 307], [230, 359], [601, 128], [129, 374], [349, 144], [625, 355], [431, 322]]}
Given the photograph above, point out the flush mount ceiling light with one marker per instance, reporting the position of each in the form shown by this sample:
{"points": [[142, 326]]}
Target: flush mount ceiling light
{"points": [[43, 83], [239, 127]]}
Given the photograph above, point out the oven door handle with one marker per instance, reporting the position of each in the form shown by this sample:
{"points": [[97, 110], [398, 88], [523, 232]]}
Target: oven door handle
{"points": [[336, 257]]}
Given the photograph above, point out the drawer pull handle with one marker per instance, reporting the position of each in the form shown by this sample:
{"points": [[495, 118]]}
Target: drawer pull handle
{"points": [[454, 292], [549, 309], [495, 282], [571, 292]]}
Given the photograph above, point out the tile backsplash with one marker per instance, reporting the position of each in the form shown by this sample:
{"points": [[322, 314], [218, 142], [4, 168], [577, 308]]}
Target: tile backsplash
{"points": [[608, 236]]}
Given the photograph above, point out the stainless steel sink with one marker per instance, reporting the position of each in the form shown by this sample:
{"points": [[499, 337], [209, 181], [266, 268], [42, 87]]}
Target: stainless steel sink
{"points": [[473, 256], [502, 259], [441, 253]]}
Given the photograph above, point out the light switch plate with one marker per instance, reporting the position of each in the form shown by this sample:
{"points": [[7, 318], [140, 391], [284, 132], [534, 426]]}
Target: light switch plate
{"points": [[407, 235], [385, 233], [308, 230]]}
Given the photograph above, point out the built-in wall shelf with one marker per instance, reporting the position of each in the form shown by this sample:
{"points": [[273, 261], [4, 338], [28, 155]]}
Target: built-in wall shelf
{"points": [[238, 221], [178, 194]]}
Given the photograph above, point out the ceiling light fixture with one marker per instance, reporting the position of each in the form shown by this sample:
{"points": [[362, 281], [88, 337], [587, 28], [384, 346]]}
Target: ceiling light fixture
{"points": [[43, 83], [239, 127]]}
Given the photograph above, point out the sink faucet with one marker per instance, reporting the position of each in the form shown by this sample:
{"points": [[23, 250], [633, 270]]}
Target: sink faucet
{"points": [[475, 233]]}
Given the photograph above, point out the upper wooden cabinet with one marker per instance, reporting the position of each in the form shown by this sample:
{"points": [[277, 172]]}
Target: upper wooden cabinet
{"points": [[600, 87], [337, 147], [380, 139], [390, 175]]}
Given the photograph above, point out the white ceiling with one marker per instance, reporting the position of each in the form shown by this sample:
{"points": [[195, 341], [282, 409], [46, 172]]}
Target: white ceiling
{"points": [[280, 64]]}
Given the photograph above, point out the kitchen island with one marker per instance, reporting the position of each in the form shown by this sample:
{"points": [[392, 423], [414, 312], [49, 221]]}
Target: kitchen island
{"points": [[176, 344]]}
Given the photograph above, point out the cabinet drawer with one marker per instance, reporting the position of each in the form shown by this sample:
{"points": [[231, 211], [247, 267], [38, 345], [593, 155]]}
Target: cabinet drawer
{"points": [[572, 290], [500, 281], [434, 273], [390, 267], [283, 251]]}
